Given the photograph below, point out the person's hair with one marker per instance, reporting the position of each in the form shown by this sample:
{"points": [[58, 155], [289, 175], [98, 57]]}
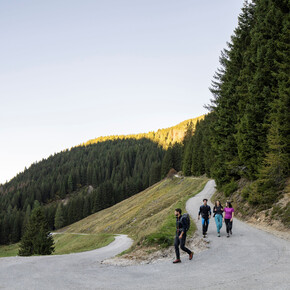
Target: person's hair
{"points": [[216, 203], [229, 204], [178, 210], [205, 199]]}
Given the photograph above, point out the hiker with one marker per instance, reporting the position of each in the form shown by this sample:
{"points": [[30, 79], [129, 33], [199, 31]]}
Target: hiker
{"points": [[218, 216], [205, 213], [228, 218], [180, 237]]}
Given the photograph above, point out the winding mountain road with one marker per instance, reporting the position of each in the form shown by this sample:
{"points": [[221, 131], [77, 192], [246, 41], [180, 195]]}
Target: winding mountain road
{"points": [[249, 259]]}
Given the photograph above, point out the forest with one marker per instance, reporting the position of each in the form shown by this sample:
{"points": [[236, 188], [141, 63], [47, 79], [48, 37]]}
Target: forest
{"points": [[245, 135], [75, 183], [86, 179]]}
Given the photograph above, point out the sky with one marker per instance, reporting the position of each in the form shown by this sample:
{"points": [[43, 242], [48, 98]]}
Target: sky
{"points": [[72, 70]]}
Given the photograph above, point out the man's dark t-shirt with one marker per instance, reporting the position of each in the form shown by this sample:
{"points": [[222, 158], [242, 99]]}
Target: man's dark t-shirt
{"points": [[205, 211], [180, 226]]}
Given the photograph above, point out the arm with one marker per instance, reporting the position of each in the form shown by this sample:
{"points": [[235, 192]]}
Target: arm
{"points": [[182, 228], [232, 216], [198, 217], [209, 212]]}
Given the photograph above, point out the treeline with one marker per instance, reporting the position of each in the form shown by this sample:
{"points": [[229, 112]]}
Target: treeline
{"points": [[86, 179], [246, 134], [164, 137]]}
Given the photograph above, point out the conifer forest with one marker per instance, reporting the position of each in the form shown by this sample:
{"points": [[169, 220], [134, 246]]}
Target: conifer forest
{"points": [[245, 135]]}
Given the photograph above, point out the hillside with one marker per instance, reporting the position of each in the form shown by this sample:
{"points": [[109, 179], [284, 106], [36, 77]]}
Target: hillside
{"points": [[147, 217], [164, 137], [75, 183]]}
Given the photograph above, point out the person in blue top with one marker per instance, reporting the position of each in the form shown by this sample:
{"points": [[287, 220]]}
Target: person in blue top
{"points": [[205, 213]]}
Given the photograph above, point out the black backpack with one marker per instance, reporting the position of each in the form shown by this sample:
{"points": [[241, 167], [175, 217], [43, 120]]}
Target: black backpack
{"points": [[186, 221]]}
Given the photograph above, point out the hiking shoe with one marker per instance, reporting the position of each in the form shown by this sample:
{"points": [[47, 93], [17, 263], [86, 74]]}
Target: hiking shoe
{"points": [[218, 234], [190, 256], [177, 261], [228, 236], [204, 236]]}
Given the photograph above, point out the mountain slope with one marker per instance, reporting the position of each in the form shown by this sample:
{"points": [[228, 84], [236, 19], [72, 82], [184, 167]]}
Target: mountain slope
{"points": [[75, 183], [147, 217], [164, 137]]}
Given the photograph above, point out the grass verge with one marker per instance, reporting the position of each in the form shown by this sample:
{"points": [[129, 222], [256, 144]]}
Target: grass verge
{"points": [[67, 244], [9, 250], [75, 243]]}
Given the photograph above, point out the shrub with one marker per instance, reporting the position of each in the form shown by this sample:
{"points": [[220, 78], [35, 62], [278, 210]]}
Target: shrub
{"points": [[229, 188], [286, 215]]}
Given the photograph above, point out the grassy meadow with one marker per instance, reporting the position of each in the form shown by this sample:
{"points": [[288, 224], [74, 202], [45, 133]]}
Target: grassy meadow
{"points": [[147, 217]]}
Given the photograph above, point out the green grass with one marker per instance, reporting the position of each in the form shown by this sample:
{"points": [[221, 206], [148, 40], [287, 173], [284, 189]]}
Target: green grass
{"points": [[9, 250], [74, 243], [163, 237], [66, 244], [147, 217]]}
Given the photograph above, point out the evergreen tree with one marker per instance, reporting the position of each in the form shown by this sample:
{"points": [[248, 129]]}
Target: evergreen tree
{"points": [[225, 89], [155, 174], [167, 162], [70, 184], [187, 159], [59, 218], [262, 89], [177, 156], [37, 238]]}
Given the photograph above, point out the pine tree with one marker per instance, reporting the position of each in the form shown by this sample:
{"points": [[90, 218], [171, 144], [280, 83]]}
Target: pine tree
{"points": [[155, 174], [225, 89], [177, 156], [37, 239], [70, 184], [59, 219], [263, 87], [167, 162], [187, 159]]}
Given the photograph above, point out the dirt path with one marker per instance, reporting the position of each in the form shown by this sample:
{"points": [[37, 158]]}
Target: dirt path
{"points": [[249, 259]]}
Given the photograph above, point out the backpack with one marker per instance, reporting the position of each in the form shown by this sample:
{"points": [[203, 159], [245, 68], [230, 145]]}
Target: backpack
{"points": [[186, 219]]}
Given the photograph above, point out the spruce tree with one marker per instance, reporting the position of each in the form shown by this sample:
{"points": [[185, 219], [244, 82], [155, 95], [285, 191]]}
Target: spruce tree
{"points": [[225, 89], [59, 219], [37, 239], [167, 162], [263, 87]]}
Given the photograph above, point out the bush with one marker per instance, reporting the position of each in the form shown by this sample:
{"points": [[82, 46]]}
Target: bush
{"points": [[246, 192], [263, 194], [160, 239], [229, 188], [286, 215]]}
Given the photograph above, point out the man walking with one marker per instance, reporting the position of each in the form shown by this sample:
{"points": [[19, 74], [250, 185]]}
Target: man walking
{"points": [[205, 213], [180, 237]]}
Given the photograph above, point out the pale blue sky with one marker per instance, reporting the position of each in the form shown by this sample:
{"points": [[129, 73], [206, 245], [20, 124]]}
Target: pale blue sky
{"points": [[73, 70]]}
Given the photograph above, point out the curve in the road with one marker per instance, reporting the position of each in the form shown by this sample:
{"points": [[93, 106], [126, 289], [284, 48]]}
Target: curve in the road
{"points": [[249, 259]]}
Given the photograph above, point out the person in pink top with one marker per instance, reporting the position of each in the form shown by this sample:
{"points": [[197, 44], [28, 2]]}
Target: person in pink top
{"points": [[228, 217]]}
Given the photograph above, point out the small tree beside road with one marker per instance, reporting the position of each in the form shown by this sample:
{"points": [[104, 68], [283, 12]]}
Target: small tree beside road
{"points": [[37, 239]]}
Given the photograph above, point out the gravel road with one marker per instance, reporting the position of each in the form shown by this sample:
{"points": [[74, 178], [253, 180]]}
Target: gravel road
{"points": [[249, 259]]}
